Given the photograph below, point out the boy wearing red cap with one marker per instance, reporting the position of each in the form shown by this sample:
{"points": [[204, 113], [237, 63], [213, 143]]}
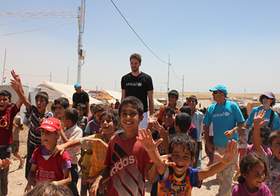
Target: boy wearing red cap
{"points": [[50, 169]]}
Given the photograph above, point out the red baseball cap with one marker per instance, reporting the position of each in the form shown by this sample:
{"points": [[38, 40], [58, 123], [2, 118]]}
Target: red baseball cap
{"points": [[50, 124]]}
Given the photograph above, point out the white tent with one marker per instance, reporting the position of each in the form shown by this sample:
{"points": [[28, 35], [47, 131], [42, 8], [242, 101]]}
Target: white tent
{"points": [[56, 90]]}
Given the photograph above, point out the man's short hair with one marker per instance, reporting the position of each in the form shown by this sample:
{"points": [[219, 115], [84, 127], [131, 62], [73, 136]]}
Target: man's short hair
{"points": [[135, 56], [42, 94], [71, 114], [6, 93], [183, 120], [62, 101], [184, 140], [173, 92], [99, 108], [82, 105], [186, 109], [133, 101]]}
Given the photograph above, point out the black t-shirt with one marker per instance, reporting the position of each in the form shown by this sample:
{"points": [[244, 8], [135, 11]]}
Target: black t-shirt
{"points": [[80, 98], [137, 87]]}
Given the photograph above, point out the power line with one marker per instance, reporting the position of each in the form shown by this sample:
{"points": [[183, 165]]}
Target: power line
{"points": [[68, 13], [38, 29], [136, 33], [174, 72]]}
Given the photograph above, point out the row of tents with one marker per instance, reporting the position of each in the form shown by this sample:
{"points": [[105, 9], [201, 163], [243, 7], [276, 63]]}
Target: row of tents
{"points": [[56, 90]]}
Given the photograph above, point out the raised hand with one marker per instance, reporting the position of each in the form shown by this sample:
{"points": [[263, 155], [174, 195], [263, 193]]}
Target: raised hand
{"points": [[147, 140], [15, 75], [258, 119], [14, 85], [230, 153]]}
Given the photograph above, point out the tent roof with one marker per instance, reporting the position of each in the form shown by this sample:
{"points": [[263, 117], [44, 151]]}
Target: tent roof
{"points": [[56, 90]]}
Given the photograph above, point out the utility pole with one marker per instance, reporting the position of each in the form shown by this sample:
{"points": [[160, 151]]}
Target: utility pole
{"points": [[168, 73], [183, 88], [81, 52], [4, 66]]}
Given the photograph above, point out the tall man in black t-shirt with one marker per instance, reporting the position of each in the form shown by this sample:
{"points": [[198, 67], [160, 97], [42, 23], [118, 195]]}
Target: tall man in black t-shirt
{"points": [[140, 85], [80, 96]]}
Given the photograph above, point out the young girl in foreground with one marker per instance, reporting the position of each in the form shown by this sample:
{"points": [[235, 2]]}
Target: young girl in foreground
{"points": [[253, 171]]}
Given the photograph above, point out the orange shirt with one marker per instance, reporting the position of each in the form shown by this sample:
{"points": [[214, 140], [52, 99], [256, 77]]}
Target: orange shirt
{"points": [[161, 111]]}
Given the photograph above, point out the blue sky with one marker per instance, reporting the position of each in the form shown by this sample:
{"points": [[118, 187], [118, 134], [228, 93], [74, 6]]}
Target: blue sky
{"points": [[235, 43]]}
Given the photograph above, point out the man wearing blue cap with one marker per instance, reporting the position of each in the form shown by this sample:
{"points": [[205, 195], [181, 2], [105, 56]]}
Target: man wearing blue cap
{"points": [[227, 120], [80, 96]]}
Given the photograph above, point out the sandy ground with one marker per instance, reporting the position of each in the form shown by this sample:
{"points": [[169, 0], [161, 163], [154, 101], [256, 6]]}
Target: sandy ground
{"points": [[17, 181]]}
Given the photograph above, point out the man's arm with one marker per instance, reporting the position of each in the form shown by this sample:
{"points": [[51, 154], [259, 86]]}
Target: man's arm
{"points": [[87, 109], [225, 160], [123, 94], [206, 136], [151, 101], [230, 133]]}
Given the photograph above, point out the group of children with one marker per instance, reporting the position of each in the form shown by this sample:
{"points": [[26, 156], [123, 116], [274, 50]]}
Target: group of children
{"points": [[117, 158]]}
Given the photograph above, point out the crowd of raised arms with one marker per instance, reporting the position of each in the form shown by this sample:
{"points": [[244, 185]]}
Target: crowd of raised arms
{"points": [[121, 146]]}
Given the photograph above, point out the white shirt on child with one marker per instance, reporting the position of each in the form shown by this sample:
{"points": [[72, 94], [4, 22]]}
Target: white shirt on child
{"points": [[71, 134]]}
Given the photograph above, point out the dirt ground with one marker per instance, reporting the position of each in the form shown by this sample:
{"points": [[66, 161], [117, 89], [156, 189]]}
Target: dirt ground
{"points": [[17, 181]]}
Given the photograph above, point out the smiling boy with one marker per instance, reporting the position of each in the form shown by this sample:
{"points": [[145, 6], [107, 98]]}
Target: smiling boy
{"points": [[178, 177], [127, 162]]}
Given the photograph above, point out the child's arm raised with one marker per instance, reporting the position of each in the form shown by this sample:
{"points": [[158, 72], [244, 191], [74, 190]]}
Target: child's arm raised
{"points": [[61, 148], [258, 123], [20, 94], [225, 160], [150, 146], [31, 178]]}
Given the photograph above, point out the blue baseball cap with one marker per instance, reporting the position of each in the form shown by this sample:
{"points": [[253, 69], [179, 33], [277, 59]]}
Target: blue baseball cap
{"points": [[219, 88], [77, 85]]}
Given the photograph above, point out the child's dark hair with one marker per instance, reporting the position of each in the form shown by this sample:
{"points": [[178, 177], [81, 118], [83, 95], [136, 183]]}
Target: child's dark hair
{"points": [[186, 109], [62, 101], [91, 106], [49, 189], [183, 120], [72, 114], [244, 112], [169, 108], [99, 108], [264, 132], [248, 162], [6, 93], [203, 110], [173, 92], [112, 114], [133, 101], [53, 107], [182, 139], [42, 94], [272, 136], [82, 105]]}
